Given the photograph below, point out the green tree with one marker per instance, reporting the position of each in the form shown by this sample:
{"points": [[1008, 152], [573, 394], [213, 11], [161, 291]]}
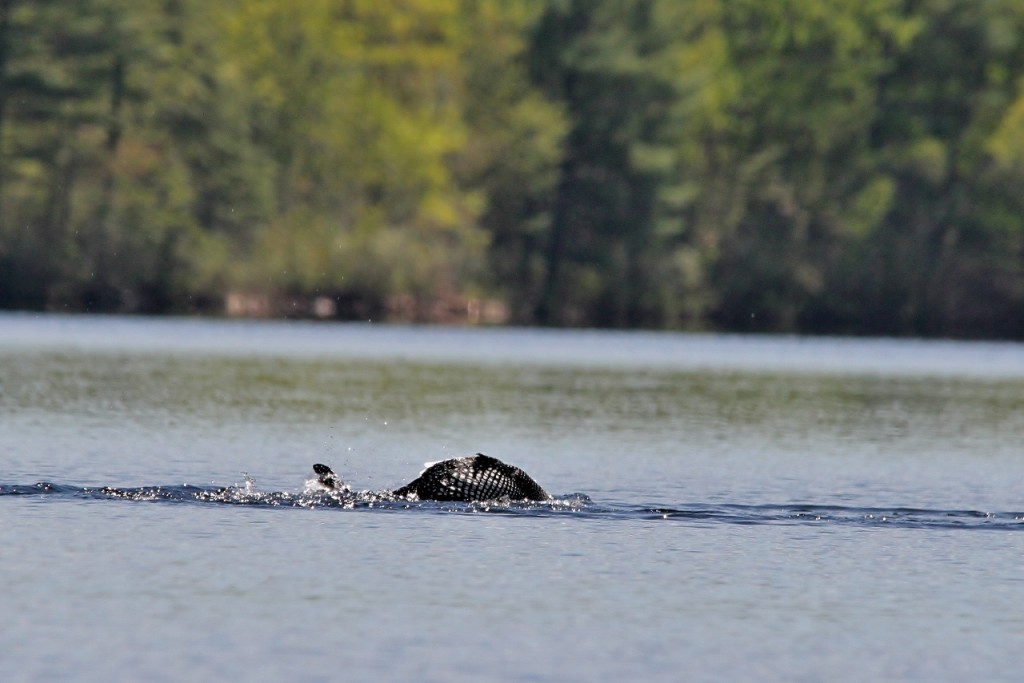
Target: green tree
{"points": [[127, 173], [56, 121], [865, 200], [796, 176], [513, 147], [948, 261], [625, 73], [359, 106]]}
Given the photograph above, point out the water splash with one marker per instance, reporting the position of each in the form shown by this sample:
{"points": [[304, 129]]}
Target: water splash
{"points": [[315, 496]]}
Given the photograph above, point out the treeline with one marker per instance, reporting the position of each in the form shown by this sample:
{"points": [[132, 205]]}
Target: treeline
{"points": [[819, 166]]}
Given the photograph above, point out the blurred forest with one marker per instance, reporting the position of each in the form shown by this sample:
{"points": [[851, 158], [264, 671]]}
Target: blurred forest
{"points": [[812, 166]]}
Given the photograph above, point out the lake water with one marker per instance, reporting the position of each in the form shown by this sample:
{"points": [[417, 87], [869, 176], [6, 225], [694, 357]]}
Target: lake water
{"points": [[727, 508]]}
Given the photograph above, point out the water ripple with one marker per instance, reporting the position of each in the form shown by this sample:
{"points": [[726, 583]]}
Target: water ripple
{"points": [[575, 504]]}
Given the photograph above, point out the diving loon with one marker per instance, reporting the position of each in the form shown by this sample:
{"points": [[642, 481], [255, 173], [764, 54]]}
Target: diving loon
{"points": [[477, 477]]}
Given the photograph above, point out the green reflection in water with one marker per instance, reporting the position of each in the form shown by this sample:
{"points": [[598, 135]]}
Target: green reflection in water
{"points": [[789, 411]]}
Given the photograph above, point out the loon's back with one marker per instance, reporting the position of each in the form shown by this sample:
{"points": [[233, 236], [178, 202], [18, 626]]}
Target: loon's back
{"points": [[478, 477]]}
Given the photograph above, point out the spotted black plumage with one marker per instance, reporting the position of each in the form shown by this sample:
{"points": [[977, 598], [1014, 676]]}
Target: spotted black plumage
{"points": [[478, 477]]}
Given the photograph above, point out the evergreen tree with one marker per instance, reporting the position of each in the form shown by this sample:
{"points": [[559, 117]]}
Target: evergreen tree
{"points": [[616, 66]]}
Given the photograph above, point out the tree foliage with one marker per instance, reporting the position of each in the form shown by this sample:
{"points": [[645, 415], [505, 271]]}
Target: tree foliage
{"points": [[831, 166]]}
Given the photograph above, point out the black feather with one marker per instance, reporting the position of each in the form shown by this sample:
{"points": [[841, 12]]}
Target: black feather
{"points": [[478, 477]]}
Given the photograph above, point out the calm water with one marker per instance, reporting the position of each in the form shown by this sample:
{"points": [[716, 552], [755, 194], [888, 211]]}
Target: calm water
{"points": [[727, 508]]}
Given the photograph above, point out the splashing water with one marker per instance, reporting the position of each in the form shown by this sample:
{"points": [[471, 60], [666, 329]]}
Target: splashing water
{"points": [[314, 495]]}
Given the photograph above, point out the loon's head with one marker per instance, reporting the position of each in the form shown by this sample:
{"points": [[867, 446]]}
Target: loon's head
{"points": [[329, 480]]}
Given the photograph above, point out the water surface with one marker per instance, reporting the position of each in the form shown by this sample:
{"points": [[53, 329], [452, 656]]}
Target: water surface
{"points": [[726, 507]]}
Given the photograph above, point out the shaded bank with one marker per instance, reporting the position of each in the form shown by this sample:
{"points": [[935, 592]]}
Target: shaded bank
{"points": [[849, 168]]}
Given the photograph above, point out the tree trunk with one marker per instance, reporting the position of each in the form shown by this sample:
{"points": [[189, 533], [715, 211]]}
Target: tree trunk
{"points": [[546, 312]]}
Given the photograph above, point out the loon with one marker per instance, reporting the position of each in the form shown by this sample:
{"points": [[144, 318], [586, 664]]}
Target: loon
{"points": [[474, 478]]}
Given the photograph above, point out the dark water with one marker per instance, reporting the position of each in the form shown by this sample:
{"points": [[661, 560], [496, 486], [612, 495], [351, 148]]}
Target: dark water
{"points": [[726, 508]]}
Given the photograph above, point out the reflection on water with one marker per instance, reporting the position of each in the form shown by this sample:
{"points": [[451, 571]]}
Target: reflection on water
{"points": [[692, 403]]}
